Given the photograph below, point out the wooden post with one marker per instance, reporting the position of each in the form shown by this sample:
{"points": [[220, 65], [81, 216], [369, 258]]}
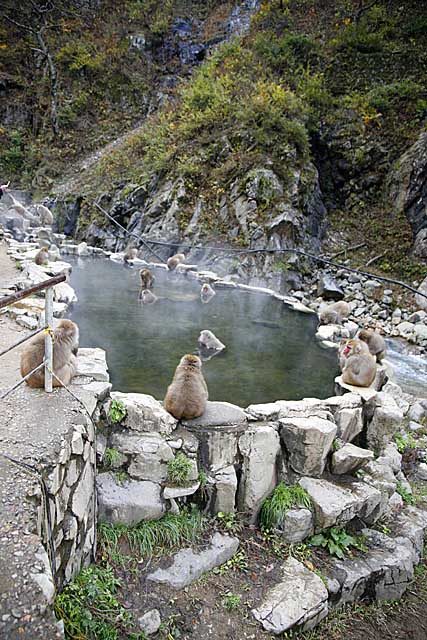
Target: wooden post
{"points": [[48, 341]]}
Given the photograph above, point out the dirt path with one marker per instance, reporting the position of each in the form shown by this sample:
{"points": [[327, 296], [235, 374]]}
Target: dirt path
{"points": [[10, 332]]}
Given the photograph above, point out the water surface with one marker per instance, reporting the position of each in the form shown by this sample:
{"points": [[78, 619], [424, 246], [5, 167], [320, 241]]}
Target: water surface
{"points": [[271, 351]]}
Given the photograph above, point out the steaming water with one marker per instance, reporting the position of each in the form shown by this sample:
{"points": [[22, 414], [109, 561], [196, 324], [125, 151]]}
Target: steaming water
{"points": [[145, 342]]}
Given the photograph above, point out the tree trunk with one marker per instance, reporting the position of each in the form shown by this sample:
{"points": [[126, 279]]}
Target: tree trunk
{"points": [[53, 82]]}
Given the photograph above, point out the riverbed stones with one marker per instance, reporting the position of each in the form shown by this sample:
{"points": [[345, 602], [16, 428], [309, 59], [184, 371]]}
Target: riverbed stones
{"points": [[308, 442], [338, 502], [299, 600], [128, 503], [260, 447], [144, 413], [297, 526], [350, 459], [188, 565]]}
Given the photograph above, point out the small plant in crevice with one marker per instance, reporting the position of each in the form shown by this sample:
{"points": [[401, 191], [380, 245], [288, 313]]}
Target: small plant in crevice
{"points": [[121, 477], [231, 601], [179, 469], [237, 563], [112, 458], [337, 542], [117, 411], [405, 441], [406, 496], [283, 498], [228, 521]]}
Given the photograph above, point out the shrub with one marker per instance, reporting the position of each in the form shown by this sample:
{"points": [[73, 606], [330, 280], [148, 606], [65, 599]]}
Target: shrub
{"points": [[179, 470], [283, 498], [117, 411]]}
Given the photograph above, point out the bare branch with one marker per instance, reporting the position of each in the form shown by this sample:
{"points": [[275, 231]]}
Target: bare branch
{"points": [[26, 27]]}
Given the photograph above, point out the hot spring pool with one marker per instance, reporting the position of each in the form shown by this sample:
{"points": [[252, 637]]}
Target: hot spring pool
{"points": [[271, 351]]}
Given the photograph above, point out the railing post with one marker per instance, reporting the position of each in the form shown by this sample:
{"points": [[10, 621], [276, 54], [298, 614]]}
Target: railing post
{"points": [[48, 341]]}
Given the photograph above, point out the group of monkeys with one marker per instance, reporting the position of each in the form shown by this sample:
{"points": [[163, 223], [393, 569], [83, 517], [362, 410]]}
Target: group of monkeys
{"points": [[358, 356]]}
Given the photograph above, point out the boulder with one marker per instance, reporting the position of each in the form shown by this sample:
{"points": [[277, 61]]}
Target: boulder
{"points": [[386, 420], [328, 289], [93, 364], [297, 526], [299, 600], [144, 413], [127, 503], [350, 459], [188, 565], [421, 301], [225, 490], [149, 453], [218, 414], [260, 447], [338, 502], [308, 442]]}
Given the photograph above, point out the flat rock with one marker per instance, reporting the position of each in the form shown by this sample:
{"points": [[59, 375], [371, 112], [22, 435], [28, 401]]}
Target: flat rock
{"points": [[218, 414], [171, 491], [145, 413], [349, 459], [127, 503], [339, 502], [300, 600], [188, 565], [92, 363], [366, 393]]}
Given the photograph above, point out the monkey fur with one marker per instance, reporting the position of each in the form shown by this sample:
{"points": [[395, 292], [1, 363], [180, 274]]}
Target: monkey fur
{"points": [[65, 346], [147, 279], [45, 214], [358, 366], [206, 292], [42, 257], [375, 342], [175, 260], [146, 297], [130, 254], [334, 313], [187, 395]]}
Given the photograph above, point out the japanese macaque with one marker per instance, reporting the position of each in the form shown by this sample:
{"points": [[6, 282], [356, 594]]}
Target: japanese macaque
{"points": [[358, 366], [65, 347], [147, 279], [175, 260], [46, 216], [130, 254], [375, 342], [42, 256], [208, 340], [146, 297], [334, 313], [187, 395], [19, 208], [206, 293]]}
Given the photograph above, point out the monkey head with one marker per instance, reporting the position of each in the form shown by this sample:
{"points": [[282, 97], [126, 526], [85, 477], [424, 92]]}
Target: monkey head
{"points": [[190, 360]]}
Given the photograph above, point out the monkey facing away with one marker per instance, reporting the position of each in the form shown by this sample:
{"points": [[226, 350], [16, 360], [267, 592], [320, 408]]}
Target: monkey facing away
{"points": [[42, 256], [175, 260], [334, 313], [46, 216], [130, 254], [358, 366], [375, 342], [187, 394], [147, 279], [207, 293], [146, 297], [65, 347]]}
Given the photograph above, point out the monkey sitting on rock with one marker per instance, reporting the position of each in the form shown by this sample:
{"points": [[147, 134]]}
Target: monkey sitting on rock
{"points": [[334, 313], [174, 261], [187, 395], [375, 342], [130, 254], [65, 347], [358, 366], [147, 279], [42, 256]]}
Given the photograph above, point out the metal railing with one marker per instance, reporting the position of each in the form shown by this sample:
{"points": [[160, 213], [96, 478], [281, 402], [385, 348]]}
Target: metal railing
{"points": [[48, 317]]}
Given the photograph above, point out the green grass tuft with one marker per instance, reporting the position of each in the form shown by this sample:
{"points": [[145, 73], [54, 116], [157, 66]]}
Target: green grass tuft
{"points": [[179, 470], [283, 498]]}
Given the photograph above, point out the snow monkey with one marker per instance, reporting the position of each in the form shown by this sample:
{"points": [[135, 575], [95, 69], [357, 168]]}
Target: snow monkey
{"points": [[175, 260], [334, 313], [358, 366], [65, 346], [130, 254], [375, 343], [207, 293], [146, 297], [187, 395], [46, 216], [42, 256], [147, 279]]}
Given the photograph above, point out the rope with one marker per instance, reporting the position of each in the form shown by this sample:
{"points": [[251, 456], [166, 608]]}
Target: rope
{"points": [[336, 265]]}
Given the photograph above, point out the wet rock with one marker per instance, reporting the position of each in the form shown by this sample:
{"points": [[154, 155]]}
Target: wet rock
{"points": [[259, 446], [336, 503], [350, 459], [300, 600], [188, 565], [144, 413], [308, 442], [128, 503], [328, 289]]}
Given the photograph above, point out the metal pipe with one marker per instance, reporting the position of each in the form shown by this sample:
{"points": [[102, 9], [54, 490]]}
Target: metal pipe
{"points": [[18, 384], [28, 337], [19, 295], [48, 341]]}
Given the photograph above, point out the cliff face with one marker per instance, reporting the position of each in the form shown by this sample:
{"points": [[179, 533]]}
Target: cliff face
{"points": [[276, 124]]}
